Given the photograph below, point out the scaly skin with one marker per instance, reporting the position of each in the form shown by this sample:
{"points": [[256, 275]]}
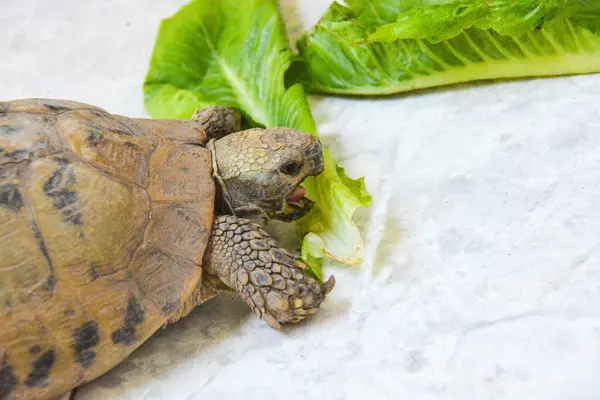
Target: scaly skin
{"points": [[218, 121], [249, 261], [258, 169]]}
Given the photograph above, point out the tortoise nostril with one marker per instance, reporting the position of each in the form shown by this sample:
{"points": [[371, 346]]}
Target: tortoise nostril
{"points": [[291, 168]]}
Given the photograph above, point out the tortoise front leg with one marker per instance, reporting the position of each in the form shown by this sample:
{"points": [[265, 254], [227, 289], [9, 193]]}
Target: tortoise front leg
{"points": [[218, 121], [250, 262]]}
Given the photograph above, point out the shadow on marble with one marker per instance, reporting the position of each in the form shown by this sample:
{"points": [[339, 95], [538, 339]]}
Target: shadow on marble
{"points": [[209, 324], [177, 345]]}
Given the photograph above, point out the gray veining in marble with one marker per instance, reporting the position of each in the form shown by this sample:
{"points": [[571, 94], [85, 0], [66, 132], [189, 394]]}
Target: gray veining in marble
{"points": [[482, 277]]}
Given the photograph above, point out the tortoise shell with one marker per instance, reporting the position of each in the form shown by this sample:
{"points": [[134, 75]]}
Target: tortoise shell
{"points": [[104, 221]]}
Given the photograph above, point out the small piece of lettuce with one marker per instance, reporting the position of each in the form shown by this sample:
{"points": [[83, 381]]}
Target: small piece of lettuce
{"points": [[236, 53], [389, 46]]}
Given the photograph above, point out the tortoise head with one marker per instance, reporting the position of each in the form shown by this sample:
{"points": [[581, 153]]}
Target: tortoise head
{"points": [[260, 171]]}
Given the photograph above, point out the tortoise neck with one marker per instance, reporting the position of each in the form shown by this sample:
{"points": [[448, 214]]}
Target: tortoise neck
{"points": [[221, 206], [223, 199]]}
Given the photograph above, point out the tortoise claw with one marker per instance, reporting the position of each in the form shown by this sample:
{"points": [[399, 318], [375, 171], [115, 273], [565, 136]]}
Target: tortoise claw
{"points": [[328, 286], [271, 321]]}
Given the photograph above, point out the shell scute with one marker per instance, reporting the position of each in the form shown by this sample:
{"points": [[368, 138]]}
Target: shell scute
{"points": [[89, 223], [109, 144], [104, 222], [24, 137]]}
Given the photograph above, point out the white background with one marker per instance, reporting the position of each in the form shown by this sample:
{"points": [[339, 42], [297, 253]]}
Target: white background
{"points": [[482, 274]]}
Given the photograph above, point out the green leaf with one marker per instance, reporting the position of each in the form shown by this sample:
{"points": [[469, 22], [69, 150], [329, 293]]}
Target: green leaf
{"points": [[338, 198], [236, 53], [312, 253], [434, 23], [371, 12], [212, 53], [362, 50], [442, 22]]}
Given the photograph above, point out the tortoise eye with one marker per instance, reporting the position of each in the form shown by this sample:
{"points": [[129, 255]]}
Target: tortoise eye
{"points": [[291, 168]]}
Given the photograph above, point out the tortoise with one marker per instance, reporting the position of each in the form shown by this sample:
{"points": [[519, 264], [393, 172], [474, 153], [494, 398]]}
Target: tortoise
{"points": [[113, 227]]}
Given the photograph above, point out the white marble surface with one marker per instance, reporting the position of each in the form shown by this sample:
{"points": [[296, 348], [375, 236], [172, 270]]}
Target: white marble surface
{"points": [[482, 279]]}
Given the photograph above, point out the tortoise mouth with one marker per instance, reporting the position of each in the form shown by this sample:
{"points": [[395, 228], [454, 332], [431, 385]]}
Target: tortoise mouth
{"points": [[295, 206], [296, 197]]}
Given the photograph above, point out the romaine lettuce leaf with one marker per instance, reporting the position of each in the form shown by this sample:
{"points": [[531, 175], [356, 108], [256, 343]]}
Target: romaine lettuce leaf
{"points": [[372, 12], [338, 197], [236, 53], [364, 49]]}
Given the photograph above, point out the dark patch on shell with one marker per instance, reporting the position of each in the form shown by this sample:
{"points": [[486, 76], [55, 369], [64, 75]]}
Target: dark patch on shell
{"points": [[134, 315], [39, 375], [35, 349], [84, 339], [57, 108], [8, 380], [94, 137], [11, 198], [8, 130], [169, 308], [51, 282], [63, 198], [16, 156]]}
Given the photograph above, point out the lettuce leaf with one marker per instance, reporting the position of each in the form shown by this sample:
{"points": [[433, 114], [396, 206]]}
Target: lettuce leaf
{"points": [[236, 53], [373, 12], [389, 46]]}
